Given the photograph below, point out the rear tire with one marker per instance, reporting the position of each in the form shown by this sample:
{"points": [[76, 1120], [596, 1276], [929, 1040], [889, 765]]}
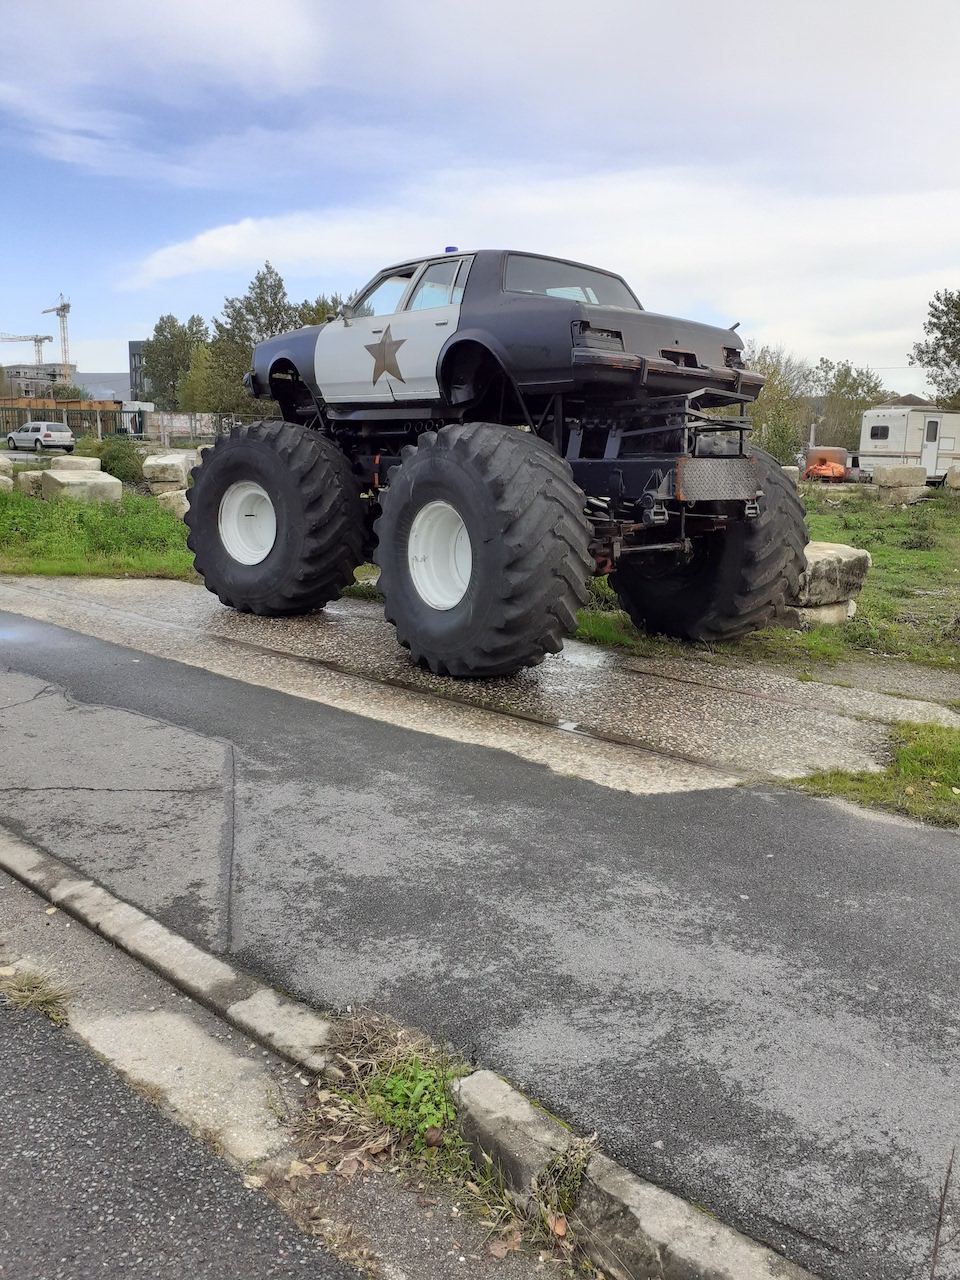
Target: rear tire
{"points": [[483, 550], [11, 444], [275, 519], [37, 447], [737, 580]]}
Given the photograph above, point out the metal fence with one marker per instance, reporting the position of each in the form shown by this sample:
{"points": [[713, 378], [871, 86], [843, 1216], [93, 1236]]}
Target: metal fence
{"points": [[82, 422], [170, 429]]}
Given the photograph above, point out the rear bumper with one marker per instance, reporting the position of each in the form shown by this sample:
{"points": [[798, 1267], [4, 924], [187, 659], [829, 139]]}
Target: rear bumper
{"points": [[664, 376]]}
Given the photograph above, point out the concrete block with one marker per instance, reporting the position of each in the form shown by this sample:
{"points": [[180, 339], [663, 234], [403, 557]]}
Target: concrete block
{"points": [[28, 482], [165, 486], [175, 500], [834, 573], [952, 478], [897, 475], [908, 495], [85, 486], [805, 617], [496, 1119], [6, 465], [69, 462], [6, 484], [168, 468], [633, 1229], [792, 473], [292, 1029]]}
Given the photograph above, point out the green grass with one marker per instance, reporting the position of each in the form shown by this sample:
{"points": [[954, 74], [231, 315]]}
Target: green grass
{"points": [[909, 606], [921, 781], [134, 538]]}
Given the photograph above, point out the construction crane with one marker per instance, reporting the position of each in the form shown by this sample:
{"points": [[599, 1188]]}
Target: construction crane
{"points": [[62, 310], [38, 339]]}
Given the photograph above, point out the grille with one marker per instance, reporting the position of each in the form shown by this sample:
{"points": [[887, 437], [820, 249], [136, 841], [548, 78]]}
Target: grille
{"points": [[717, 479]]}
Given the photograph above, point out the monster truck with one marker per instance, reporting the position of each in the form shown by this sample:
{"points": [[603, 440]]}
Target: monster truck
{"points": [[493, 428]]}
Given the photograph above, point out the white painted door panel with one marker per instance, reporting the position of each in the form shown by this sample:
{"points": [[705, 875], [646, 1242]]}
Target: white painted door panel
{"points": [[422, 333], [345, 367]]}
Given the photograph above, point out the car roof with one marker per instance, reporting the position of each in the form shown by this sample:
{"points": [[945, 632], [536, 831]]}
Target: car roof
{"points": [[474, 253]]}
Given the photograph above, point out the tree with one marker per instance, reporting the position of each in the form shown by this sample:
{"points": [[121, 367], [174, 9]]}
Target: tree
{"points": [[261, 313], [193, 384], [841, 393], [782, 413], [68, 391], [318, 311], [166, 356], [939, 355], [5, 388]]}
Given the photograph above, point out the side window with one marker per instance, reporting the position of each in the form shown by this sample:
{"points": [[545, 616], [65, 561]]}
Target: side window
{"points": [[435, 285], [35, 428], [932, 428], [879, 433], [384, 298]]}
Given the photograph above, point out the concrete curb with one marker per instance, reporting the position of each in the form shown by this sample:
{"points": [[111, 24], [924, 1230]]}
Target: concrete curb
{"points": [[291, 1029], [631, 1228]]}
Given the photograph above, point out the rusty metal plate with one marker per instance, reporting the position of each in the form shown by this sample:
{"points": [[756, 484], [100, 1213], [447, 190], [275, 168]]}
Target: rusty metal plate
{"points": [[717, 479]]}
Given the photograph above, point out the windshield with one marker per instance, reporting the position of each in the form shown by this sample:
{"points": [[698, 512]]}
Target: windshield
{"points": [[564, 280]]}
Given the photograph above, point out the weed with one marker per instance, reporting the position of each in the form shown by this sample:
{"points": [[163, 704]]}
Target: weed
{"points": [[32, 989], [134, 538], [922, 779], [119, 456]]}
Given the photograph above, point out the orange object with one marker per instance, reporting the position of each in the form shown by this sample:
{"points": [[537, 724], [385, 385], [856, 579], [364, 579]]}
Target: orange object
{"points": [[825, 471]]}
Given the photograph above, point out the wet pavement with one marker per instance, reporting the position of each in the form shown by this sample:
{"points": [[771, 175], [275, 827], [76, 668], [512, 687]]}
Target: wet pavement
{"points": [[748, 993], [739, 720]]}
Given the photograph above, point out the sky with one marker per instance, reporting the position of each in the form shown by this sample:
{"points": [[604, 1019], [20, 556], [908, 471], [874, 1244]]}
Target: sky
{"points": [[788, 164]]}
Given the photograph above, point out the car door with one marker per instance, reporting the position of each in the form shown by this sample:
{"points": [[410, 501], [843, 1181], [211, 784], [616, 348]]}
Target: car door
{"points": [[429, 316], [357, 355]]}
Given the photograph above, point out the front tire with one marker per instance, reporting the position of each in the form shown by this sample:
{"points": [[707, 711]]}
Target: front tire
{"points": [[736, 580], [275, 519], [483, 550]]}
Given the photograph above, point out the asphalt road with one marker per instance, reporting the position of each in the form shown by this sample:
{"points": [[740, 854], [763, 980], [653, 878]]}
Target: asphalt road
{"points": [[750, 994], [94, 1182]]}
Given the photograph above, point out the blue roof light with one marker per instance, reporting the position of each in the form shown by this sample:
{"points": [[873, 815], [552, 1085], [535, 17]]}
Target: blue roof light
{"points": [[451, 248]]}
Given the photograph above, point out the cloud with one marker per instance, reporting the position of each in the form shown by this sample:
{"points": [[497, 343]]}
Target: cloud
{"points": [[836, 275]]}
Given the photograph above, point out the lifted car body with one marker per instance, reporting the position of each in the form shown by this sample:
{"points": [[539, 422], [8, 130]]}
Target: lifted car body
{"points": [[557, 348]]}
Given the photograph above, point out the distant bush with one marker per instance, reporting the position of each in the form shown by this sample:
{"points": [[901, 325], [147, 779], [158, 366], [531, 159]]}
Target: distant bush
{"points": [[119, 456]]}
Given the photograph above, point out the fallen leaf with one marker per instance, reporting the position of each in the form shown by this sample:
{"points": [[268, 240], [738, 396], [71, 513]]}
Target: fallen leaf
{"points": [[433, 1137], [299, 1170], [52, 910], [910, 791], [380, 1144], [955, 790], [557, 1224], [347, 1167], [253, 1180], [8, 971], [498, 1249], [321, 1167]]}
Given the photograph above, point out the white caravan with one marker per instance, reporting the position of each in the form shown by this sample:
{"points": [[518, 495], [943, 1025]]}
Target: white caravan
{"points": [[924, 437]]}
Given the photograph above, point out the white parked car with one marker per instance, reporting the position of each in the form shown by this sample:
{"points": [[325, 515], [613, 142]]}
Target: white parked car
{"points": [[41, 435]]}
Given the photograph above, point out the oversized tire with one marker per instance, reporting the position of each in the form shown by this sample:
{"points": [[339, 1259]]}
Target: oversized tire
{"points": [[736, 579], [275, 519], [483, 550]]}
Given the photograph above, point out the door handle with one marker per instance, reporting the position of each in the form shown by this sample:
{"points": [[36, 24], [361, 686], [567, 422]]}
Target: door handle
{"points": [[376, 331], [438, 323]]}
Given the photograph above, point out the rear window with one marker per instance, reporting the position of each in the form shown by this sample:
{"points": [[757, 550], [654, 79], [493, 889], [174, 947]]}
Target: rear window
{"points": [[879, 433], [553, 279]]}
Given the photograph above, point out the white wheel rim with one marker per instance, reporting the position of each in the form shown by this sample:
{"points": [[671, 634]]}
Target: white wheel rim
{"points": [[439, 555], [247, 522]]}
